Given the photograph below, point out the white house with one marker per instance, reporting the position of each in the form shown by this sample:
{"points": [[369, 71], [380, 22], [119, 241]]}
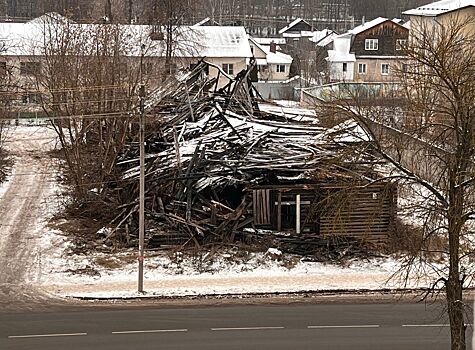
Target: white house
{"points": [[341, 62], [226, 47], [371, 52], [272, 64]]}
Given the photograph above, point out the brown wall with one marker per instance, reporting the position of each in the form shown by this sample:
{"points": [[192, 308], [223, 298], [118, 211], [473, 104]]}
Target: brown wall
{"points": [[387, 33]]}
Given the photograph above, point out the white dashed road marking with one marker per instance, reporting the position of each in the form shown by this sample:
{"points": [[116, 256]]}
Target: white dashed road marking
{"points": [[47, 335], [245, 328], [152, 331], [349, 326], [425, 325]]}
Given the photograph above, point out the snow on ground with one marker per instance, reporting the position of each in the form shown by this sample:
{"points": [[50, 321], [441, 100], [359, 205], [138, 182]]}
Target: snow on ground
{"points": [[53, 269], [175, 275], [6, 184]]}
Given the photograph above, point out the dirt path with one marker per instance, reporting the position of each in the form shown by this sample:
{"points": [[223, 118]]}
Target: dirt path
{"points": [[22, 210]]}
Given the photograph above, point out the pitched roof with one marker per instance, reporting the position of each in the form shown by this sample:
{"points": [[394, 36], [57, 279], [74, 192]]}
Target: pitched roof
{"points": [[323, 37], [199, 41], [292, 24], [277, 57], [377, 21], [439, 7]]}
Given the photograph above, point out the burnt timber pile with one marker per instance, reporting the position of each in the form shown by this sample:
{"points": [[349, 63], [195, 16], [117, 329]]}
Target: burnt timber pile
{"points": [[220, 166]]}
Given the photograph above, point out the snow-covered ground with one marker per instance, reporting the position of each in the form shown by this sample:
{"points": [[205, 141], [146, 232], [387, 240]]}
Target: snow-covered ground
{"points": [[169, 275], [52, 268]]}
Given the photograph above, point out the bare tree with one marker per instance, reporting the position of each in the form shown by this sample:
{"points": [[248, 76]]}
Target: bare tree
{"points": [[430, 141], [89, 75]]}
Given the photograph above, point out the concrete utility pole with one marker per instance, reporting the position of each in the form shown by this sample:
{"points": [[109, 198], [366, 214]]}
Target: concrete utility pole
{"points": [[142, 175]]}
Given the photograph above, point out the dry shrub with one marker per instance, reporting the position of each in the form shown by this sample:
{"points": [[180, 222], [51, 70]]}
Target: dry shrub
{"points": [[408, 239]]}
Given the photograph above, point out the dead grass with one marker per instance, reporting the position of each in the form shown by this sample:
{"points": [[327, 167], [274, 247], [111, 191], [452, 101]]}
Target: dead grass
{"points": [[109, 262], [411, 240]]}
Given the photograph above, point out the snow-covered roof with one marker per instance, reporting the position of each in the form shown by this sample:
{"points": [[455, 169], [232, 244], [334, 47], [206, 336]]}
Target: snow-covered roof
{"points": [[220, 41], [277, 57], [439, 7], [206, 21], [323, 37], [190, 41], [339, 56], [267, 41], [292, 24], [361, 28]]}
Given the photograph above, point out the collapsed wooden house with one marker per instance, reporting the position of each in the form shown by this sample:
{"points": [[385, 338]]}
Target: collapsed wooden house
{"points": [[219, 161]]}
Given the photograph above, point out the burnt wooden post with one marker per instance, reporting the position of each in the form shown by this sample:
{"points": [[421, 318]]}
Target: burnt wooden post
{"points": [[279, 211], [297, 214]]}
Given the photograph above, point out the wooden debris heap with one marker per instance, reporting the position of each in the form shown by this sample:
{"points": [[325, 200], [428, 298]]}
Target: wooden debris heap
{"points": [[206, 145]]}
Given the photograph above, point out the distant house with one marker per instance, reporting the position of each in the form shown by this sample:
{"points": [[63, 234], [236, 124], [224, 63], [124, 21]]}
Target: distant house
{"points": [[272, 64], [23, 53], [440, 13], [297, 33], [296, 28], [371, 52]]}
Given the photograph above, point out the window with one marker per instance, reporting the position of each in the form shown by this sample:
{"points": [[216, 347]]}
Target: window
{"points": [[385, 68], [31, 98], [371, 44], [30, 68], [400, 44], [228, 68], [361, 68], [405, 68], [345, 67], [280, 68]]}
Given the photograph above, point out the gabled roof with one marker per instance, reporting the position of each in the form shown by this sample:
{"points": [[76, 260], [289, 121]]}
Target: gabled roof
{"points": [[440, 7], [375, 22], [206, 22], [277, 57], [293, 24], [200, 41], [323, 37]]}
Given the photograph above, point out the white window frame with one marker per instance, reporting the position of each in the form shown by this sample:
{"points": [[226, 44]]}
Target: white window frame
{"points": [[385, 71], [362, 68], [280, 68], [400, 44], [371, 44], [228, 68]]}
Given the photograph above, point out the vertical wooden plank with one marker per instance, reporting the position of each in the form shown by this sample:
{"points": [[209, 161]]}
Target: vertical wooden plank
{"points": [[254, 207], [267, 205], [297, 214], [279, 211], [261, 207]]}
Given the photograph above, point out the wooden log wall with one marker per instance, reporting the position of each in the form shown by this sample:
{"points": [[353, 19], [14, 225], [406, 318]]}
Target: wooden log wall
{"points": [[364, 212]]}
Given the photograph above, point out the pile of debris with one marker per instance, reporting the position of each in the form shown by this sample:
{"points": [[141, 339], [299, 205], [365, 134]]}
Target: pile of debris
{"points": [[207, 145]]}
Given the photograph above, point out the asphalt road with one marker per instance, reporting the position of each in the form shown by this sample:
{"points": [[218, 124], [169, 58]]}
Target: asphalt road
{"points": [[315, 326]]}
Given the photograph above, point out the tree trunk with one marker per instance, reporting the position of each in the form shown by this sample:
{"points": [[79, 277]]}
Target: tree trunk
{"points": [[454, 282], [455, 310]]}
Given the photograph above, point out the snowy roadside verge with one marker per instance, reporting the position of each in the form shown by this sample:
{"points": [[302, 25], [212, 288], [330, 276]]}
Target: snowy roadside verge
{"points": [[258, 273]]}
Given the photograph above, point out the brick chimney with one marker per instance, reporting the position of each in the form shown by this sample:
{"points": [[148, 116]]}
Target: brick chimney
{"points": [[273, 47]]}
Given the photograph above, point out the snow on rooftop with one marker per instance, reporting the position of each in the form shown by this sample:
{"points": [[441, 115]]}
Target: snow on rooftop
{"points": [[267, 41], [291, 24], [277, 57], [323, 37], [191, 41], [361, 28], [439, 7], [338, 56]]}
